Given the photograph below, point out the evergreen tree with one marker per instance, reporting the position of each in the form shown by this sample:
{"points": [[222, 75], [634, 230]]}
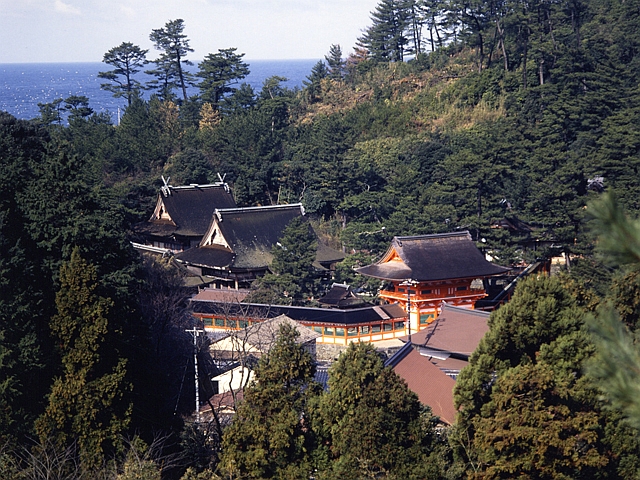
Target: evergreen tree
{"points": [[25, 299], [313, 83], [526, 409], [87, 402], [617, 367], [370, 424], [175, 46], [218, 72], [335, 62], [385, 39], [128, 59], [293, 278], [271, 436]]}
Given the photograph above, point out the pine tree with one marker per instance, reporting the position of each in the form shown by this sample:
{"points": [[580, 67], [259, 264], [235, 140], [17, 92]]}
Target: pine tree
{"points": [[617, 367], [218, 72], [385, 39], [128, 60], [336, 63], [175, 46], [293, 278]]}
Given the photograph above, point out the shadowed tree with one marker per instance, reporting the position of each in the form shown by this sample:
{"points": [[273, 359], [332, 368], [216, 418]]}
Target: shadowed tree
{"points": [[87, 402]]}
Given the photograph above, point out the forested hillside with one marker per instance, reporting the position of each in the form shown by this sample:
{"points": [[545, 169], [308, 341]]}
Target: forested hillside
{"points": [[447, 116]]}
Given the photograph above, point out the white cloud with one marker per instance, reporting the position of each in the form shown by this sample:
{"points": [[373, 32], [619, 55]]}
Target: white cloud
{"points": [[62, 7]]}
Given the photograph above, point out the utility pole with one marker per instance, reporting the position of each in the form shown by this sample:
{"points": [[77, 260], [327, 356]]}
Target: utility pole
{"points": [[195, 332], [408, 283]]}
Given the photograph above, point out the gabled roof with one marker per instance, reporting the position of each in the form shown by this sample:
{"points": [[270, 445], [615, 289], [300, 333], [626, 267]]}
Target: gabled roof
{"points": [[341, 296], [242, 238], [187, 210], [456, 330], [432, 257], [433, 387]]}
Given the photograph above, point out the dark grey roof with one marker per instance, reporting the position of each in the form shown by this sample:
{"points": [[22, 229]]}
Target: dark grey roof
{"points": [[252, 232], [433, 257], [340, 295], [333, 316], [191, 207], [209, 256]]}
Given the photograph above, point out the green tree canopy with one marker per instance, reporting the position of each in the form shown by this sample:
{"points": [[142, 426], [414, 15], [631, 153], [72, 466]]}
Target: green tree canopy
{"points": [[270, 436], [174, 45], [127, 60], [219, 71], [369, 423]]}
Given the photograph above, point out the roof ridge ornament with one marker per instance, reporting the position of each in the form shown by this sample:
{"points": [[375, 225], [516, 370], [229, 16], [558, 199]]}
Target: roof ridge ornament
{"points": [[166, 188]]}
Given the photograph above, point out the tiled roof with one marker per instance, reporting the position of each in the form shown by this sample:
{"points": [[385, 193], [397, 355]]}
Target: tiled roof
{"points": [[432, 257], [433, 387], [264, 335], [227, 295], [456, 330], [341, 296]]}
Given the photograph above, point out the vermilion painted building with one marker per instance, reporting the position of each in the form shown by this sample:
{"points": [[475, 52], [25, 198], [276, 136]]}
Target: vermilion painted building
{"points": [[426, 270]]}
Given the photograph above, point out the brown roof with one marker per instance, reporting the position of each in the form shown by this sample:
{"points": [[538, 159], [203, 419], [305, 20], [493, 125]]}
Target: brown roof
{"points": [[222, 295], [433, 387], [432, 257], [456, 330]]}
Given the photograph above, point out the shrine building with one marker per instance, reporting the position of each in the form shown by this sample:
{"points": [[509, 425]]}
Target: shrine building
{"points": [[421, 272]]}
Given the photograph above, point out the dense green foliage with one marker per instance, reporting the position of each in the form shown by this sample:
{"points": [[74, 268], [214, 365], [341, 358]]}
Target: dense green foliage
{"points": [[517, 111], [370, 424], [270, 436], [526, 378]]}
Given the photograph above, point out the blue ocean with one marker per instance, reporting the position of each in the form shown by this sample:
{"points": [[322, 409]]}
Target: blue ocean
{"points": [[24, 85]]}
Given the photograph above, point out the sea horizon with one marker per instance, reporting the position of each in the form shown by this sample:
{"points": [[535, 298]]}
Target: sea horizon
{"points": [[24, 85]]}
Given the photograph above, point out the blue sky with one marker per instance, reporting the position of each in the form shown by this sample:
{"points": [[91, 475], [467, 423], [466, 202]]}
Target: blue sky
{"points": [[83, 30]]}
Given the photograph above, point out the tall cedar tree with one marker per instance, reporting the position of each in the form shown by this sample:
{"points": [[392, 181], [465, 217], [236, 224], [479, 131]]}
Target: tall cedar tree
{"points": [[271, 436], [175, 46], [369, 423], [87, 402], [128, 59]]}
